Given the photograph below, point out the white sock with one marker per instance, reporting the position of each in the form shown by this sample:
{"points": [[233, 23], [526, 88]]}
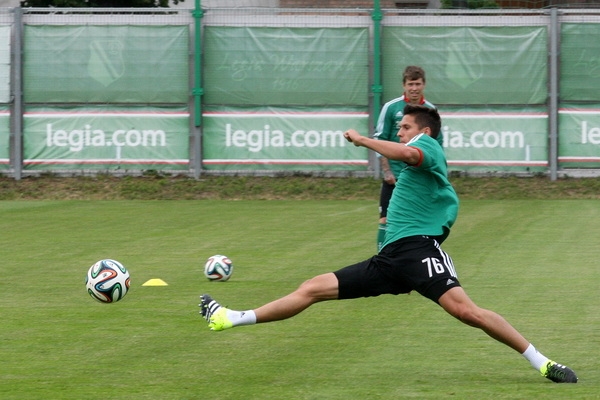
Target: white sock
{"points": [[241, 317], [537, 359]]}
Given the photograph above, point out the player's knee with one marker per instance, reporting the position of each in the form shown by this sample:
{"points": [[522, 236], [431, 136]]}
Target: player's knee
{"points": [[309, 288], [318, 288], [469, 315]]}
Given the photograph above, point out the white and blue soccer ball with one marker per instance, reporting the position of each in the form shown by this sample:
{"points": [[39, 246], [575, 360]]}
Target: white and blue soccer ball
{"points": [[107, 281], [218, 268]]}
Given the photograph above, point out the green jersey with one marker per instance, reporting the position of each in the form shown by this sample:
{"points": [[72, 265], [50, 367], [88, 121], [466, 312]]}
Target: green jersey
{"points": [[423, 202], [388, 124]]}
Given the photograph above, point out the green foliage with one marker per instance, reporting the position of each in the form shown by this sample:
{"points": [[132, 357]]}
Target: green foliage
{"points": [[98, 3], [470, 4]]}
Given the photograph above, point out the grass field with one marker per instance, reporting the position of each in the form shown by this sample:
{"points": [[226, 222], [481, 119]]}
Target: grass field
{"points": [[533, 261]]}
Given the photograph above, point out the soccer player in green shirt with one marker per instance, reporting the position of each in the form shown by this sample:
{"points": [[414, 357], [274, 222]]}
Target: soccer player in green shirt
{"points": [[413, 84], [420, 216]]}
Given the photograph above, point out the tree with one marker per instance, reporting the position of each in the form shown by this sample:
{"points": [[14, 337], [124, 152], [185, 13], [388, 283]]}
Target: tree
{"points": [[98, 3]]}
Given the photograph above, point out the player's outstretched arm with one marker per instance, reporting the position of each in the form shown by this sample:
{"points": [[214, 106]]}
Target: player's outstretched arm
{"points": [[391, 150]]}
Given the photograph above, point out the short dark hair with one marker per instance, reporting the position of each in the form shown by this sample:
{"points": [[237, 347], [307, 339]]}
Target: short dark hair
{"points": [[425, 117], [412, 73]]}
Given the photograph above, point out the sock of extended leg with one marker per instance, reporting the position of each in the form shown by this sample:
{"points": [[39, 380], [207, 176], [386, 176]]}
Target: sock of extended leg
{"points": [[239, 318], [537, 359]]}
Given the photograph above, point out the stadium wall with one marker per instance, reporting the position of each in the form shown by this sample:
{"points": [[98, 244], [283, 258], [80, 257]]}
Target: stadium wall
{"points": [[104, 90]]}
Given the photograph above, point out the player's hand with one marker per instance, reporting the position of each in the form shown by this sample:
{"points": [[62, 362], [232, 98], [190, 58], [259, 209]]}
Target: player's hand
{"points": [[352, 136]]}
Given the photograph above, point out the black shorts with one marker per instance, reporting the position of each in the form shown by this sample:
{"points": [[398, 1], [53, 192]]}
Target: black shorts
{"points": [[412, 263], [384, 198]]}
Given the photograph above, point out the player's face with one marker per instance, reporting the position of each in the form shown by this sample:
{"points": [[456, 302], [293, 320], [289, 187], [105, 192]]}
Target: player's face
{"points": [[413, 90], [408, 129]]}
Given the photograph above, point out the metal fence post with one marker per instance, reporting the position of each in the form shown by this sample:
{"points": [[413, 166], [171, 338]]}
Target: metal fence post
{"points": [[17, 91], [376, 88], [553, 100], [197, 91]]}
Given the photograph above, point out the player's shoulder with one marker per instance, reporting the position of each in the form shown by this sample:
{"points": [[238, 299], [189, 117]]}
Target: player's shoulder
{"points": [[429, 104], [432, 153], [425, 142], [420, 138], [397, 100]]}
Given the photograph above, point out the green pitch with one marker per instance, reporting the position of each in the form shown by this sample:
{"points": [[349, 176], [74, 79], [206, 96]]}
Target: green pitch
{"points": [[534, 262]]}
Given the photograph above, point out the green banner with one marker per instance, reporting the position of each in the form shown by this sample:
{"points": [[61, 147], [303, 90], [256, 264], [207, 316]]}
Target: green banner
{"points": [[277, 139], [579, 62], [496, 140], [286, 66], [474, 140], [468, 65], [106, 64], [5, 64], [4, 139], [579, 137], [106, 139]]}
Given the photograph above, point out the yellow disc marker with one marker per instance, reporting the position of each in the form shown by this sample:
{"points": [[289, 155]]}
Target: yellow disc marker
{"points": [[155, 282]]}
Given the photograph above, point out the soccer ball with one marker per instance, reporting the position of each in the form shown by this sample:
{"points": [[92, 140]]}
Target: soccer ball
{"points": [[107, 281], [218, 268]]}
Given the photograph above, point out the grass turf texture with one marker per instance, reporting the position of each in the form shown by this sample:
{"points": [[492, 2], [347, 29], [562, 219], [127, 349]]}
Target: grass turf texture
{"points": [[533, 261]]}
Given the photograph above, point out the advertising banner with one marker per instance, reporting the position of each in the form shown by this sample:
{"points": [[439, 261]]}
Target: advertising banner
{"points": [[116, 139], [496, 140], [255, 66], [282, 140], [468, 65], [579, 62], [5, 64], [491, 140], [579, 137], [106, 64], [4, 139]]}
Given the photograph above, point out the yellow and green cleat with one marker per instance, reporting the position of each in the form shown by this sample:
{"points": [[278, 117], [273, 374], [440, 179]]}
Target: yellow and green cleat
{"points": [[558, 373], [214, 313]]}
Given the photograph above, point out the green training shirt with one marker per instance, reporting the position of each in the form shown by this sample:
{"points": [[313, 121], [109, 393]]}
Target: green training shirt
{"points": [[388, 124], [423, 202]]}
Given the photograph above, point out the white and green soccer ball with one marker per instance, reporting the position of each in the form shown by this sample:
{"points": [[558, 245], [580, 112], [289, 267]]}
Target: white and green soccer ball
{"points": [[218, 268], [107, 281]]}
